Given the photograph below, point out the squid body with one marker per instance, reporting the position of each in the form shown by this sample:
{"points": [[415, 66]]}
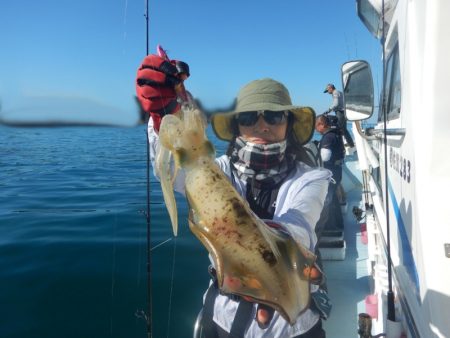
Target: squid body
{"points": [[251, 259]]}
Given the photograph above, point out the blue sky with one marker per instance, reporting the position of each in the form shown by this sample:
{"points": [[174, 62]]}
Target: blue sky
{"points": [[88, 51]]}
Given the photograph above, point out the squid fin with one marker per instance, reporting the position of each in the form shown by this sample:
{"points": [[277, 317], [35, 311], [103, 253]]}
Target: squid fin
{"points": [[169, 134], [164, 169]]}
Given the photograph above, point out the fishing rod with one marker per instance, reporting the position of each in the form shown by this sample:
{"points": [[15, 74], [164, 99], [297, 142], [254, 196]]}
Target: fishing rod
{"points": [[148, 317], [390, 293], [146, 28]]}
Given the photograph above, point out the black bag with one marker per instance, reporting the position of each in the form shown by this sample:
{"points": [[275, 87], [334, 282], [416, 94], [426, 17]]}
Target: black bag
{"points": [[333, 121]]}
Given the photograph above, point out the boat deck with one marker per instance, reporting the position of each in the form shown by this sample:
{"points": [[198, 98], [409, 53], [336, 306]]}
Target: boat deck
{"points": [[348, 281]]}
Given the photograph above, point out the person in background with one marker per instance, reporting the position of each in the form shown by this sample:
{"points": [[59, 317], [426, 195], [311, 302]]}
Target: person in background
{"points": [[268, 166], [332, 152], [338, 107]]}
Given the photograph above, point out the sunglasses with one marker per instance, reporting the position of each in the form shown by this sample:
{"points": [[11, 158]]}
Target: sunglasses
{"points": [[249, 118]]}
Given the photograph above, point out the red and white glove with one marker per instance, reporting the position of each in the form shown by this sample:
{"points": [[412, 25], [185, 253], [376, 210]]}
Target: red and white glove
{"points": [[156, 81]]}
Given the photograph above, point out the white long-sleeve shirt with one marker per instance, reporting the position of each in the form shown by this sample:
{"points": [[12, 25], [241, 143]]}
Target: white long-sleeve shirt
{"points": [[298, 206], [338, 101]]}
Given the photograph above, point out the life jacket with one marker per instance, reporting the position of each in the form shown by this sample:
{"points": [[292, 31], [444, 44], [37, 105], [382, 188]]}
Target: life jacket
{"points": [[337, 149]]}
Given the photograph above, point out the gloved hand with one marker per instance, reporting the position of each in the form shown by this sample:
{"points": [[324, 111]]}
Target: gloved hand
{"points": [[156, 83]]}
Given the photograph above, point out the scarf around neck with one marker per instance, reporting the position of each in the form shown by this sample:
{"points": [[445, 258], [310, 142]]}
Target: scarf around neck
{"points": [[263, 164]]}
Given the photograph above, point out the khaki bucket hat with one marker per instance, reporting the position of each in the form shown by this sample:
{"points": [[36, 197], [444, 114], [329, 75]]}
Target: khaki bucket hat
{"points": [[266, 94]]}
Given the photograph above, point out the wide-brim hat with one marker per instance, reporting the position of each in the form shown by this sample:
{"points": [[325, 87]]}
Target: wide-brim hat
{"points": [[266, 94]]}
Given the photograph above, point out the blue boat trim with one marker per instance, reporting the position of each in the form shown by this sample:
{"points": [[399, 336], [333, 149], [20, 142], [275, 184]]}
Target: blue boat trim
{"points": [[407, 256]]}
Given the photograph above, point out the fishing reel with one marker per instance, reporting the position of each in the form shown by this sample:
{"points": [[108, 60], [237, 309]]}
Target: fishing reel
{"points": [[358, 213]]}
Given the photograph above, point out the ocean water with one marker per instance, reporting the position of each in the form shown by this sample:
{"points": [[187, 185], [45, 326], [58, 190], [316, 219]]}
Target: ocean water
{"points": [[73, 238]]}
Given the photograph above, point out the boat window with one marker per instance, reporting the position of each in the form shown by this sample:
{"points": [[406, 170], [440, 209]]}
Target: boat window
{"points": [[392, 86], [395, 98], [371, 17]]}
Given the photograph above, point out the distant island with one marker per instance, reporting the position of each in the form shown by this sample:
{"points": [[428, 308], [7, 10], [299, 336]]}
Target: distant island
{"points": [[65, 111]]}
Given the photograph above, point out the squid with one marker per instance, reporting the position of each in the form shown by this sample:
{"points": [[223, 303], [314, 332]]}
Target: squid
{"points": [[251, 259]]}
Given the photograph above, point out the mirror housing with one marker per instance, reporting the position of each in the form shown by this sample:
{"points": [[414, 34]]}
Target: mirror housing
{"points": [[358, 90]]}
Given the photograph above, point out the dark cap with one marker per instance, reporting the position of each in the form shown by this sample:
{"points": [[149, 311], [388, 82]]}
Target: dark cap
{"points": [[329, 85]]}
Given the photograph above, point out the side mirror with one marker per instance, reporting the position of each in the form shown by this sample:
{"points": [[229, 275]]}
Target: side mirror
{"points": [[358, 90]]}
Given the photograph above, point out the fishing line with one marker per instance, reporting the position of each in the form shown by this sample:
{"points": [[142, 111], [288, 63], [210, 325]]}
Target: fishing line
{"points": [[149, 257], [140, 246], [347, 45], [171, 286], [166, 241], [162, 243], [180, 232], [125, 20], [119, 143], [141, 314], [148, 316], [113, 270]]}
